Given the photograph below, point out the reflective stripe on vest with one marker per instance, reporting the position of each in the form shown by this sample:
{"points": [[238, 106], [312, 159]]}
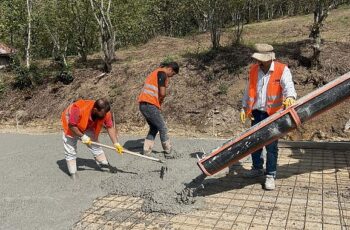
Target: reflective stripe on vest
{"points": [[146, 91], [151, 87], [85, 107], [274, 95]]}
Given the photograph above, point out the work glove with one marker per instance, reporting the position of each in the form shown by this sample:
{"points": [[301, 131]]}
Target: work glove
{"points": [[289, 101], [243, 116], [86, 140], [119, 148]]}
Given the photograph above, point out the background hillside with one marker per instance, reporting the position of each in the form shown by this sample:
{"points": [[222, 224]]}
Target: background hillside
{"points": [[211, 81]]}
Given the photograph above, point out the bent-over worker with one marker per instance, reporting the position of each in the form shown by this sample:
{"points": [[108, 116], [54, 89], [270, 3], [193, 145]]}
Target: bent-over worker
{"points": [[83, 120]]}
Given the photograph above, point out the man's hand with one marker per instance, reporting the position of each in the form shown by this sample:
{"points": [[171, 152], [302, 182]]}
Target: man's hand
{"points": [[289, 101], [243, 116], [86, 140], [119, 148]]}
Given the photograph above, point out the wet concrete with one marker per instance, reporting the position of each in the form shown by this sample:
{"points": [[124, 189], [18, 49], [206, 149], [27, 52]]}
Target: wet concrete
{"points": [[36, 193]]}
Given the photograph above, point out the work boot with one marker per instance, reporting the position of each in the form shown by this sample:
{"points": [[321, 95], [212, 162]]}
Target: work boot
{"points": [[102, 162], [147, 147], [74, 176], [169, 152], [72, 166], [72, 169], [270, 182], [254, 173]]}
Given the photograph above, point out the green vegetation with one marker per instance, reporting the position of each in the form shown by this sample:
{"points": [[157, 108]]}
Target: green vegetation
{"points": [[56, 29]]}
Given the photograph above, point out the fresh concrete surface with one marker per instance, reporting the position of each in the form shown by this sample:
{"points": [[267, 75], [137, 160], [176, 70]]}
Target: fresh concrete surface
{"points": [[35, 191]]}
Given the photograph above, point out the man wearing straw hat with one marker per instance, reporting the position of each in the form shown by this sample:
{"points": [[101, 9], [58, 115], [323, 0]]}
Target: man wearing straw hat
{"points": [[270, 88]]}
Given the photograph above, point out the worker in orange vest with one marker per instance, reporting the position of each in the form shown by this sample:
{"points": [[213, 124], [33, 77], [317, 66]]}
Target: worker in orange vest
{"points": [[150, 101], [270, 88], [83, 120]]}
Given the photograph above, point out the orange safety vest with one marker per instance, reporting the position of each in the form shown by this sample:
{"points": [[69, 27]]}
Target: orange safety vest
{"points": [[274, 89], [85, 107], [150, 90]]}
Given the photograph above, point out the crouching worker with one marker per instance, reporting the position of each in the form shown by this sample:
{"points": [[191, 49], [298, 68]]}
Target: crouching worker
{"points": [[150, 101], [83, 120]]}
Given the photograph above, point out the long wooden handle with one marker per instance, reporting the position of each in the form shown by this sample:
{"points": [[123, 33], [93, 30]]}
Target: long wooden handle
{"points": [[128, 152]]}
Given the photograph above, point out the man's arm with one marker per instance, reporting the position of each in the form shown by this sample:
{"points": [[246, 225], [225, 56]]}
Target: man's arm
{"points": [[162, 94], [287, 84], [161, 86], [245, 97], [75, 130], [108, 124], [73, 121], [112, 133]]}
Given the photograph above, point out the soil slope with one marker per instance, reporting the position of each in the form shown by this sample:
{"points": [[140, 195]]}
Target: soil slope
{"points": [[205, 98]]}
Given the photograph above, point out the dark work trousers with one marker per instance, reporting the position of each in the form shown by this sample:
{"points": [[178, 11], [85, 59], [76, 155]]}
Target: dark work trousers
{"points": [[271, 149], [155, 121]]}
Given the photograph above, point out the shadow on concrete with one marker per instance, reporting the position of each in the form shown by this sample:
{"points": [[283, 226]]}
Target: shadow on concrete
{"points": [[137, 146], [235, 180], [89, 164], [134, 145], [199, 154]]}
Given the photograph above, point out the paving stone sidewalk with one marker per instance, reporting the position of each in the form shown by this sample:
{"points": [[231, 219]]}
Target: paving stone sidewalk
{"points": [[312, 192]]}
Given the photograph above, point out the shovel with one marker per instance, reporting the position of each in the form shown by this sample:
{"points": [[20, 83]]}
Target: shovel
{"points": [[129, 152]]}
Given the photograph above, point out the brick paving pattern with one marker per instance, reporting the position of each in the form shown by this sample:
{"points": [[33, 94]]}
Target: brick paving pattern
{"points": [[312, 192]]}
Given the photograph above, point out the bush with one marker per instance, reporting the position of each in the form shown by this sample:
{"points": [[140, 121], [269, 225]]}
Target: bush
{"points": [[2, 87], [65, 75], [25, 78], [223, 88], [22, 79]]}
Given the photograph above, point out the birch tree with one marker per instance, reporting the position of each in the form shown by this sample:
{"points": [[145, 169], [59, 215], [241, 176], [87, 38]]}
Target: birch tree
{"points": [[238, 10], [29, 32], [57, 21], [102, 15], [84, 26]]}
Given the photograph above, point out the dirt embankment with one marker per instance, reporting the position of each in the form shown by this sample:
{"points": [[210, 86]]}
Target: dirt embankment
{"points": [[203, 100]]}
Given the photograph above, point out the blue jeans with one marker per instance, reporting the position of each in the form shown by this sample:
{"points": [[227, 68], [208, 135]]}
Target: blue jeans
{"points": [[271, 149], [155, 121]]}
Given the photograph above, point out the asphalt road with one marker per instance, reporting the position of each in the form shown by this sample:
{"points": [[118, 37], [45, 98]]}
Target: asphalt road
{"points": [[35, 190]]}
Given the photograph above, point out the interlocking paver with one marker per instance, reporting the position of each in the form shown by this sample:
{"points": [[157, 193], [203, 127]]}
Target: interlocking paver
{"points": [[223, 224], [261, 220], [295, 224], [276, 222], [313, 225], [312, 192], [208, 222]]}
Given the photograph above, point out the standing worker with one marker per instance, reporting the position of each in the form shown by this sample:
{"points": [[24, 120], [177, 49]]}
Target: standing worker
{"points": [[84, 120], [150, 101], [270, 88]]}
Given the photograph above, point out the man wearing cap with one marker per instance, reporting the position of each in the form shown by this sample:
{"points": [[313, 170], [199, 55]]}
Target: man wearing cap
{"points": [[270, 88], [150, 101]]}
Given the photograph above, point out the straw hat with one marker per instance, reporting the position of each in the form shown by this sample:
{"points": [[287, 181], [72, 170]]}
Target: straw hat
{"points": [[264, 52]]}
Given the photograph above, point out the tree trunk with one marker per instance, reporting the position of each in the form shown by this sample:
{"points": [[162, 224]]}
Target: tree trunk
{"points": [[238, 21], [29, 31], [320, 14], [107, 32]]}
